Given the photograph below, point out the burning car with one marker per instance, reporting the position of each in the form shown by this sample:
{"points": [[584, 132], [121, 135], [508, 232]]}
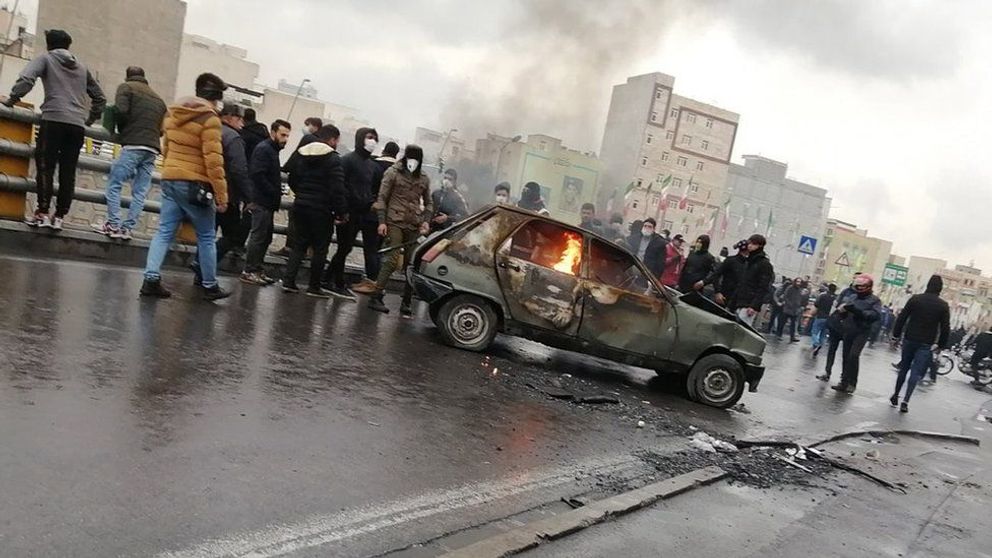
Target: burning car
{"points": [[512, 271]]}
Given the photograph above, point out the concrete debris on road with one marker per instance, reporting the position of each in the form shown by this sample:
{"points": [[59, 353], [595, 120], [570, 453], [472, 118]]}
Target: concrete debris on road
{"points": [[704, 442]]}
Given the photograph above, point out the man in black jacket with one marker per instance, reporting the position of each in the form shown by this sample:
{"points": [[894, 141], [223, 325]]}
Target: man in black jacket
{"points": [[727, 276], [757, 278], [824, 304], [449, 205], [371, 241], [253, 132], [238, 187], [266, 194], [359, 176], [138, 117], [320, 200], [925, 320], [698, 265], [649, 247], [310, 127]]}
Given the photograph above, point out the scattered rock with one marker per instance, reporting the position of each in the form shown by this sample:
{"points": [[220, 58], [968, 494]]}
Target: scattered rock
{"points": [[705, 442], [641, 424], [873, 454], [740, 408], [597, 399]]}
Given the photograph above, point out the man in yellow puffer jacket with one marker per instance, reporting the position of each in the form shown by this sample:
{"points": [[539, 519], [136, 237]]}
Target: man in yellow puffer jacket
{"points": [[193, 184]]}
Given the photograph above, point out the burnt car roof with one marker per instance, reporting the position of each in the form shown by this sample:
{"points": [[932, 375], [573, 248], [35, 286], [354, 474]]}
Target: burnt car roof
{"points": [[530, 213]]}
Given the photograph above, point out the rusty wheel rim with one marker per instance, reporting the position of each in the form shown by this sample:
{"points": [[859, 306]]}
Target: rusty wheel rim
{"points": [[468, 324], [718, 385]]}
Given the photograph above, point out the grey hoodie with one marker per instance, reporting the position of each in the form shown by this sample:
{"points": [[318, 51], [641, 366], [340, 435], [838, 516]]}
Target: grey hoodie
{"points": [[67, 84]]}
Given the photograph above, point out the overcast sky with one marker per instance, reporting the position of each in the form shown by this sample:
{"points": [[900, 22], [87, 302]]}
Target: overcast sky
{"points": [[884, 103]]}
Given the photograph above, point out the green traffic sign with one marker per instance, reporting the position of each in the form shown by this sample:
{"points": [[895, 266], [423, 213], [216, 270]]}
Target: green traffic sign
{"points": [[895, 275]]}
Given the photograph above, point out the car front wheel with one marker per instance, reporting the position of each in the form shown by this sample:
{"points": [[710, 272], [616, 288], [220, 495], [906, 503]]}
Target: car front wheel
{"points": [[467, 322], [717, 381]]}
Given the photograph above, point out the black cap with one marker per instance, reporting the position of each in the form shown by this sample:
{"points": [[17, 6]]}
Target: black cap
{"points": [[57, 38]]}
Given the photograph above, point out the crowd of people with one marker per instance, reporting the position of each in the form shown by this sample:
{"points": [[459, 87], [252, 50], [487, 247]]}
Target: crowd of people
{"points": [[221, 168]]}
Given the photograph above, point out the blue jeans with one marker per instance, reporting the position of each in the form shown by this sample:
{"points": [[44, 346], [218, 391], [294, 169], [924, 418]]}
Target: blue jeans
{"points": [[819, 328], [916, 356], [137, 166], [175, 208]]}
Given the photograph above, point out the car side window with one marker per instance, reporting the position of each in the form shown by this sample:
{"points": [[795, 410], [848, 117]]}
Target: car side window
{"points": [[547, 245], [615, 268]]}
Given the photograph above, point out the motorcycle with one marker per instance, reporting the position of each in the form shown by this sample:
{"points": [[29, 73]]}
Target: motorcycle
{"points": [[981, 372]]}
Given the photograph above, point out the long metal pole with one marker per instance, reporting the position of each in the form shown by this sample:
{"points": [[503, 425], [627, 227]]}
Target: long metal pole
{"points": [[295, 97]]}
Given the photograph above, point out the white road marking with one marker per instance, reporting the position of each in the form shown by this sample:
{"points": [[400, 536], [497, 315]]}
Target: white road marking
{"points": [[280, 540]]}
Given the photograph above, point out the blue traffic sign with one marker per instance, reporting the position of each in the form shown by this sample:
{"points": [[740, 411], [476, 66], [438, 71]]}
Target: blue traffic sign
{"points": [[807, 245]]}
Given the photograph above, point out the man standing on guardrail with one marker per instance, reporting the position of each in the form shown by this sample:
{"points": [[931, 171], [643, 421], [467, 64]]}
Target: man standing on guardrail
{"points": [[194, 185], [138, 114], [64, 116], [265, 173]]}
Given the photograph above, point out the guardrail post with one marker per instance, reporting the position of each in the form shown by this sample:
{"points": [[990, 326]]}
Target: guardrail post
{"points": [[12, 203]]}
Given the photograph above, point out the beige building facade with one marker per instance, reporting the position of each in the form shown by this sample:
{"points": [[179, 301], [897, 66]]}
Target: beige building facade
{"points": [[110, 35], [666, 156], [847, 250], [201, 54]]}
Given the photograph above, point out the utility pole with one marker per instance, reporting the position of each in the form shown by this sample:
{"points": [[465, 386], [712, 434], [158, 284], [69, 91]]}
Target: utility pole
{"points": [[297, 96]]}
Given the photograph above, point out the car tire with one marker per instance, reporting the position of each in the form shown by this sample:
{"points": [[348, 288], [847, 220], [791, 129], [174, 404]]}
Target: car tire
{"points": [[716, 381], [467, 322]]}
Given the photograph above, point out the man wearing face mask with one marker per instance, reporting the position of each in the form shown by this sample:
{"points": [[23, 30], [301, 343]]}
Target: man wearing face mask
{"points": [[727, 276], [649, 247], [371, 241], [265, 173], [359, 178], [405, 189], [449, 205], [501, 193], [698, 265]]}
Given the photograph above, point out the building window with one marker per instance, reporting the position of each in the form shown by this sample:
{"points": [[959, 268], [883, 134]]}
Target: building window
{"points": [[639, 182], [669, 135], [673, 204], [644, 161], [690, 208], [706, 145], [677, 182], [682, 161], [654, 117], [690, 118], [699, 165], [694, 187], [633, 205], [656, 199], [709, 122], [675, 113], [685, 229], [668, 225], [665, 156], [686, 139], [657, 94], [650, 137]]}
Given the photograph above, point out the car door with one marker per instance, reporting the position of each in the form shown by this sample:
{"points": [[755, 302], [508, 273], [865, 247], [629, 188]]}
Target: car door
{"points": [[623, 309], [538, 267]]}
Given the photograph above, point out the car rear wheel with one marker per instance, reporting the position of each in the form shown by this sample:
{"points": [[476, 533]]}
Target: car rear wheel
{"points": [[716, 380], [467, 322]]}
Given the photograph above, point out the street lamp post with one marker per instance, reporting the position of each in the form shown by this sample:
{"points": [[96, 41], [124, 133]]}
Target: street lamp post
{"points": [[440, 155], [295, 97], [499, 160]]}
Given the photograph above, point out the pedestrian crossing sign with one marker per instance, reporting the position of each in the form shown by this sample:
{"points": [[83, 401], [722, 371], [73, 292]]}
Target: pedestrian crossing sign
{"points": [[843, 261], [807, 245]]}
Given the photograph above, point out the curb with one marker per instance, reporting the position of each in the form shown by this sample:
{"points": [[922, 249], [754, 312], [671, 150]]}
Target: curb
{"points": [[918, 433], [529, 536]]}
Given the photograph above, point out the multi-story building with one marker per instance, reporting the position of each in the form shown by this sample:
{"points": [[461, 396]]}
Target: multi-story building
{"points": [[200, 54], [848, 250], [14, 37], [110, 35], [442, 148], [666, 156], [763, 200], [568, 177]]}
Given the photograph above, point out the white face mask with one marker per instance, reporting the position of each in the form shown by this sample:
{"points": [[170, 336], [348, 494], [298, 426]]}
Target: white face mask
{"points": [[447, 183], [502, 198], [412, 165], [219, 105], [370, 145], [647, 231]]}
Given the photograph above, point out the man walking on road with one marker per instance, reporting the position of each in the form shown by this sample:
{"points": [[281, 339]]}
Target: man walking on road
{"points": [[64, 117], [320, 203], [266, 195], [925, 320], [404, 208], [359, 178], [138, 118], [792, 307], [824, 303], [371, 241], [755, 281], [858, 308], [194, 187]]}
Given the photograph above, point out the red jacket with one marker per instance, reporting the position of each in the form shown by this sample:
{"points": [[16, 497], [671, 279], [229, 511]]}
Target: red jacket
{"points": [[673, 266]]}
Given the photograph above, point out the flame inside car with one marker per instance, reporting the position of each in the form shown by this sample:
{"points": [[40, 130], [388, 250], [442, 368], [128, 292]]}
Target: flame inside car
{"points": [[571, 255]]}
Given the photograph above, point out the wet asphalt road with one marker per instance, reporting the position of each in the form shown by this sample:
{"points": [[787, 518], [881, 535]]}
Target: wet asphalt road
{"points": [[281, 425]]}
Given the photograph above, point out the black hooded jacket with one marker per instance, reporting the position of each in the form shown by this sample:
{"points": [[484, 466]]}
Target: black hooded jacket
{"points": [[294, 160], [926, 318], [253, 134], [727, 277], [530, 199], [318, 180], [698, 266], [758, 276], [359, 175]]}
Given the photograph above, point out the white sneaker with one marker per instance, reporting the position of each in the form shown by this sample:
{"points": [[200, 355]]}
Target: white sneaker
{"points": [[124, 234], [44, 221], [56, 223]]}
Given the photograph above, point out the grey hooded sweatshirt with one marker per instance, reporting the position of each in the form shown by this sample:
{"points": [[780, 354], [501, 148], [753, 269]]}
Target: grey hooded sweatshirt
{"points": [[67, 84]]}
